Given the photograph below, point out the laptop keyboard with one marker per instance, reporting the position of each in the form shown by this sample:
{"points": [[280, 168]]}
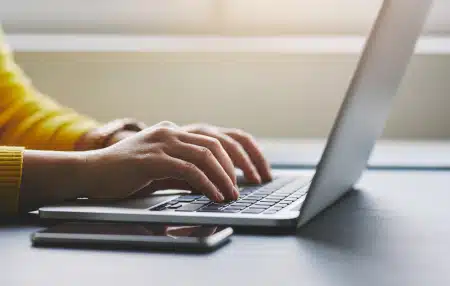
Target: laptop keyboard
{"points": [[269, 198]]}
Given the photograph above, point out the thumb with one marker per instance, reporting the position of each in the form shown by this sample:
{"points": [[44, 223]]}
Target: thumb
{"points": [[165, 184]]}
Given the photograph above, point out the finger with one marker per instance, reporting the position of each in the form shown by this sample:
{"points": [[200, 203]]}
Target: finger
{"points": [[156, 229], [216, 148], [203, 231], [251, 147], [181, 231], [167, 124], [204, 159], [193, 231], [237, 154], [182, 170]]}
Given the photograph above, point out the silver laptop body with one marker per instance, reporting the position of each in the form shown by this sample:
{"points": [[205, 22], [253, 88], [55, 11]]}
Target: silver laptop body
{"points": [[293, 201]]}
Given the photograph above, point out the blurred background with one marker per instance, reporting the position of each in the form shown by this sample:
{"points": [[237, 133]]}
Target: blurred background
{"points": [[277, 68]]}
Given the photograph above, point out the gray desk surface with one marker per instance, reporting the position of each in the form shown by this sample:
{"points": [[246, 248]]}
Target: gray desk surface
{"points": [[387, 154], [393, 231]]}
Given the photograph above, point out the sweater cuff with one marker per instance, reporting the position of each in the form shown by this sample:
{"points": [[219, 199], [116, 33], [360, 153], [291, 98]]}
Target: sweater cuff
{"points": [[11, 162]]}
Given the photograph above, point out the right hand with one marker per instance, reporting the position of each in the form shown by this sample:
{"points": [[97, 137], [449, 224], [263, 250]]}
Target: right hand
{"points": [[161, 152]]}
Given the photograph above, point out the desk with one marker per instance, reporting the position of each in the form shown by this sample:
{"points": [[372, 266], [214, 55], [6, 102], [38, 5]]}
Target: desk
{"points": [[394, 231], [387, 154]]}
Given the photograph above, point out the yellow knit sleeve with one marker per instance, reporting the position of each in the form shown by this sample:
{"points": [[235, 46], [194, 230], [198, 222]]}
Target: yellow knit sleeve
{"points": [[31, 119], [11, 159]]}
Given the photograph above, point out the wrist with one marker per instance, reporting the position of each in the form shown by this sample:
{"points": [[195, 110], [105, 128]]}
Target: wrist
{"points": [[94, 173], [50, 177]]}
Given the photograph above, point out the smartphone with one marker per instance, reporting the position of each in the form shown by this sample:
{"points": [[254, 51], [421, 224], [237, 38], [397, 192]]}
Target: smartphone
{"points": [[125, 235]]}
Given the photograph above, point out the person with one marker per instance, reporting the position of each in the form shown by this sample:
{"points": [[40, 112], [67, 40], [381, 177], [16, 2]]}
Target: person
{"points": [[50, 154]]}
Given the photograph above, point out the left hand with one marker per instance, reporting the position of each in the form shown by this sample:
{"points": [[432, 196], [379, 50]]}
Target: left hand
{"points": [[240, 146]]}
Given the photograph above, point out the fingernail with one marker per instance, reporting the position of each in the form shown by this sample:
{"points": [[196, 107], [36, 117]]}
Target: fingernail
{"points": [[257, 177], [220, 197], [236, 193]]}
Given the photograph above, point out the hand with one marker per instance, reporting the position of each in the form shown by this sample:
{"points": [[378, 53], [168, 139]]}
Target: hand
{"points": [[156, 153], [108, 134], [119, 136], [242, 148], [246, 155]]}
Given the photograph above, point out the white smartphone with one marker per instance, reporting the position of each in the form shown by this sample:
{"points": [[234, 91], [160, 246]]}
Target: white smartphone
{"points": [[124, 235]]}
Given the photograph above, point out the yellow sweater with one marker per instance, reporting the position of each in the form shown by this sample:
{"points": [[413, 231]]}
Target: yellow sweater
{"points": [[29, 119]]}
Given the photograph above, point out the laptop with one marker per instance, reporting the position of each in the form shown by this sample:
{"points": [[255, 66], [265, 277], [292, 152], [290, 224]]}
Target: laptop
{"points": [[289, 201]]}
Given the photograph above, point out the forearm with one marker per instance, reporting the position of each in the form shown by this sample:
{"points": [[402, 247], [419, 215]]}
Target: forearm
{"points": [[50, 177], [31, 119]]}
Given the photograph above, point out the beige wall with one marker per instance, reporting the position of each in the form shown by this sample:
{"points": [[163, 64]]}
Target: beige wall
{"points": [[268, 95]]}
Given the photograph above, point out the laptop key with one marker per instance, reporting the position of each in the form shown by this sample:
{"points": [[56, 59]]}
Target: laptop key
{"points": [[270, 200], [200, 202], [212, 208], [295, 196], [250, 204], [241, 204], [282, 205], [185, 199], [276, 194], [246, 191], [250, 188], [207, 210], [234, 208], [254, 197], [219, 204], [189, 208], [160, 207], [264, 193], [230, 211], [175, 206], [286, 191], [264, 204], [253, 211], [247, 200], [270, 211], [275, 199]]}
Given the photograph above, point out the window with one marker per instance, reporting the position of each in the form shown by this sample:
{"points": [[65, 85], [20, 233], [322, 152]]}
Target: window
{"points": [[225, 17], [299, 26]]}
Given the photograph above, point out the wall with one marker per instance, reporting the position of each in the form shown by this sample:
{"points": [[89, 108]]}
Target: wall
{"points": [[269, 94], [231, 17], [266, 94]]}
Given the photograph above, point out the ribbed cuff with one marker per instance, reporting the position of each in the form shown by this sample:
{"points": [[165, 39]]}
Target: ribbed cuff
{"points": [[11, 162]]}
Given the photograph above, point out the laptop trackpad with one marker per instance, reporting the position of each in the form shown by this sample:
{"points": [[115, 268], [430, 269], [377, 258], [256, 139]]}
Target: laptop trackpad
{"points": [[144, 203], [135, 203]]}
